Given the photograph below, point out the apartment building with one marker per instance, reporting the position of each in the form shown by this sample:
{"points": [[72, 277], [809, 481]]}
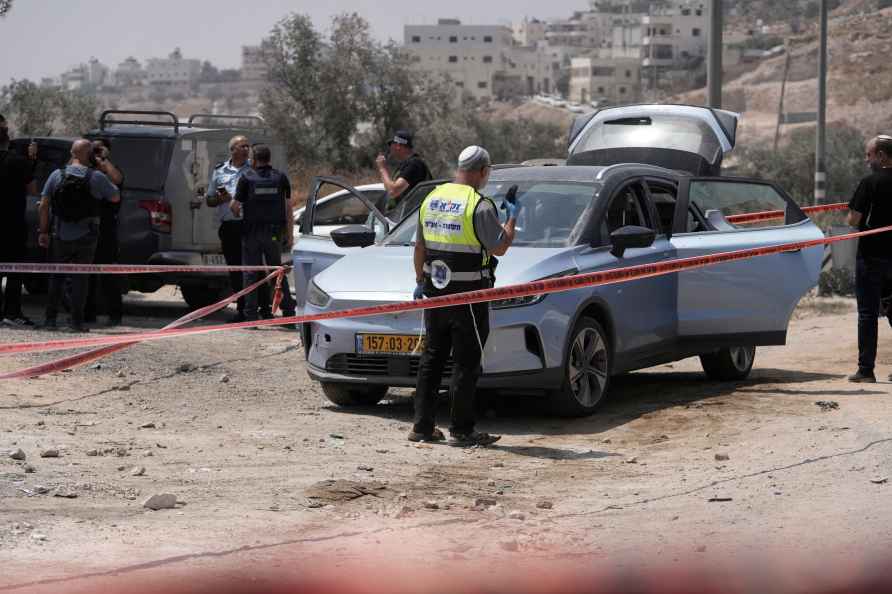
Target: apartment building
{"points": [[481, 60], [600, 76], [173, 72], [254, 64]]}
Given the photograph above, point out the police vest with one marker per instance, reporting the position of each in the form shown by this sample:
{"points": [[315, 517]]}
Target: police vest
{"points": [[265, 204], [455, 260]]}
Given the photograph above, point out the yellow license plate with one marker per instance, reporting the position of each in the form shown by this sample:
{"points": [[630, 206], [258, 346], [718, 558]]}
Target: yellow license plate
{"points": [[389, 344]]}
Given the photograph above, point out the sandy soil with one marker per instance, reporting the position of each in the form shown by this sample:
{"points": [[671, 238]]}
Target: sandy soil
{"points": [[674, 467]]}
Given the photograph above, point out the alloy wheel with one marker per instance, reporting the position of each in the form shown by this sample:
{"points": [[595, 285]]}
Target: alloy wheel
{"points": [[587, 367]]}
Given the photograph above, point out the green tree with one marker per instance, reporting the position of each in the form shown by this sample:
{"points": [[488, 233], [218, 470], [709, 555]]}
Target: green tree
{"points": [[30, 107], [77, 112], [5, 7]]}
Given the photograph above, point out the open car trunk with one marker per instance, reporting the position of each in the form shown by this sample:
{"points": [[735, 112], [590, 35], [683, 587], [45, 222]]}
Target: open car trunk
{"points": [[680, 137]]}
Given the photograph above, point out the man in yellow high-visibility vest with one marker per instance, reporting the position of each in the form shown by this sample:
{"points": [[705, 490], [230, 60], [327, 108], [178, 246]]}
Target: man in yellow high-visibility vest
{"points": [[458, 232]]}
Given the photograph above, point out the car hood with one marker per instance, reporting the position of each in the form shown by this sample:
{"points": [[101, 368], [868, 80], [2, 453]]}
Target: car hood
{"points": [[386, 273]]}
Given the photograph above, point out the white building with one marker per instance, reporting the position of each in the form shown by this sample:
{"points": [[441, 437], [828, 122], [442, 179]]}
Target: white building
{"points": [[481, 60], [601, 76], [130, 73], [583, 30], [173, 72], [528, 32]]}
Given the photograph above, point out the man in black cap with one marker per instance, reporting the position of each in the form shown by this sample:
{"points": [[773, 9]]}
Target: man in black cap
{"points": [[411, 171]]}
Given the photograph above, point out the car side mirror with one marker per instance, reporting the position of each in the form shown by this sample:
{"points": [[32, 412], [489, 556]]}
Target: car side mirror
{"points": [[353, 236], [631, 236]]}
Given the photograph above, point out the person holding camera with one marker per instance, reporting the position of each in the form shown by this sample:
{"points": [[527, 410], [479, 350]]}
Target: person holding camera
{"points": [[106, 285], [412, 170], [16, 183], [72, 198], [263, 201]]}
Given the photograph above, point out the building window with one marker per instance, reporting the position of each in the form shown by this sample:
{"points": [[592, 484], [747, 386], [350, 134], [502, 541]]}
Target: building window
{"points": [[622, 90], [487, 59], [699, 12], [453, 59], [628, 74], [600, 89], [460, 84], [416, 39], [453, 39], [482, 84], [695, 32], [487, 39]]}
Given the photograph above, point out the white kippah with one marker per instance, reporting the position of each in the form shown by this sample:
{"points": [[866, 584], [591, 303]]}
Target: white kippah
{"points": [[473, 158]]}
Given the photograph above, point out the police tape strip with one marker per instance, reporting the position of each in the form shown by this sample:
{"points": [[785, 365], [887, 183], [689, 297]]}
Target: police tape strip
{"points": [[541, 287], [769, 215], [14, 268], [84, 358]]}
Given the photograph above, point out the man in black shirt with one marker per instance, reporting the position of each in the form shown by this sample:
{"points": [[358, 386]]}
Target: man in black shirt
{"points": [[16, 183], [412, 169], [871, 208]]}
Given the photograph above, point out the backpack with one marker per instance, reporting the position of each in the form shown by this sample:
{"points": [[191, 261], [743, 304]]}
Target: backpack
{"points": [[72, 199]]}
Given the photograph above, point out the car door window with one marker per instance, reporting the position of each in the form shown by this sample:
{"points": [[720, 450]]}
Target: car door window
{"points": [[717, 200], [664, 198], [341, 210], [626, 207]]}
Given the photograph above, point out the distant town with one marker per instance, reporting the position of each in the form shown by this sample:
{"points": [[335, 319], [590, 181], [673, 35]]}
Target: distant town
{"points": [[616, 51]]}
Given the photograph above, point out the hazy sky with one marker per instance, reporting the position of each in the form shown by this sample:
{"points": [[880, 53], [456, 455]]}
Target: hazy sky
{"points": [[46, 37]]}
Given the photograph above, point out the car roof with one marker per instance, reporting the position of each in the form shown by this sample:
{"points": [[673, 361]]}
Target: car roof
{"points": [[576, 173], [135, 131]]}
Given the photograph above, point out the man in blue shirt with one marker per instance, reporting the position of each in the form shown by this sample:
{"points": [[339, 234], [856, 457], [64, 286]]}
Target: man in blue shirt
{"points": [[221, 190], [73, 198]]}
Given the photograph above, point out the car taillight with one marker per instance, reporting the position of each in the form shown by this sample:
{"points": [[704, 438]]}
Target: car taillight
{"points": [[159, 214]]}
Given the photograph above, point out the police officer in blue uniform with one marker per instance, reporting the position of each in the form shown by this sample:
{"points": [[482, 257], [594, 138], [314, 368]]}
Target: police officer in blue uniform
{"points": [[220, 192], [263, 199], [458, 233]]}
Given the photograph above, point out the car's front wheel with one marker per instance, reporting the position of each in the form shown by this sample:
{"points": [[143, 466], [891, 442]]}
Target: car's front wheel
{"points": [[729, 364], [353, 395], [586, 370], [198, 296]]}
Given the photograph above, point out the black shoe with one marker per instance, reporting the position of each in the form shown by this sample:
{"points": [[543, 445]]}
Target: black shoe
{"points": [[862, 377], [266, 315], [435, 435], [466, 440], [20, 320]]}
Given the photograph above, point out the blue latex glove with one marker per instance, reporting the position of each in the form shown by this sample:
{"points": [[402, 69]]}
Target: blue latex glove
{"points": [[510, 204], [419, 292]]}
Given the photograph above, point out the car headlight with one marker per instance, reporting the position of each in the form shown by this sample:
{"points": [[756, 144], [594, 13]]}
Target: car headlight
{"points": [[529, 299], [316, 296]]}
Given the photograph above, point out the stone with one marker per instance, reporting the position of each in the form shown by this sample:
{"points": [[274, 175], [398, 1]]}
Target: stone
{"points": [[185, 368], [138, 471], [92, 452], [498, 465], [121, 373], [365, 468], [484, 502], [97, 366], [51, 453], [336, 436], [147, 426], [224, 379], [517, 515], [41, 490], [38, 536], [29, 469], [633, 460], [431, 505], [161, 501], [722, 457], [17, 454], [545, 504], [65, 494]]}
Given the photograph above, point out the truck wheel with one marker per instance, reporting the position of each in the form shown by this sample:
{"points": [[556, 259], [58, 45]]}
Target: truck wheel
{"points": [[353, 395], [197, 296], [586, 371], [729, 364]]}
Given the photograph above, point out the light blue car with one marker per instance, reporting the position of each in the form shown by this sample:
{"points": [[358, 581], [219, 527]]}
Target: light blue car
{"points": [[575, 219]]}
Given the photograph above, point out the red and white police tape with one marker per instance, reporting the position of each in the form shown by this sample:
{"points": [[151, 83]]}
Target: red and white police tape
{"points": [[541, 287], [84, 358], [769, 215]]}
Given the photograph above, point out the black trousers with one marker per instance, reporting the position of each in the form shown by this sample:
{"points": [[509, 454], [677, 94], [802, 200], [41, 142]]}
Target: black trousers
{"points": [[108, 286], [460, 330], [78, 251], [871, 275], [231, 234], [262, 246], [12, 249]]}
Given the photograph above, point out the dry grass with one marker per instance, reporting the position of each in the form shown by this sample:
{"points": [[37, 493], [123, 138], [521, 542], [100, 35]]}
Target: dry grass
{"points": [[812, 306]]}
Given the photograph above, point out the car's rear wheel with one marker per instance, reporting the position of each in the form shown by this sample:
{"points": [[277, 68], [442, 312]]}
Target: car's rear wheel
{"points": [[586, 370], [353, 395], [198, 296], [729, 364]]}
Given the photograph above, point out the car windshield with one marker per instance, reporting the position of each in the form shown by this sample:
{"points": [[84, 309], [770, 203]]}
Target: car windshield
{"points": [[652, 131], [550, 212]]}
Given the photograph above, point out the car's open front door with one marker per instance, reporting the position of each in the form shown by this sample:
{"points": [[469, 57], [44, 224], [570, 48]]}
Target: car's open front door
{"points": [[314, 251]]}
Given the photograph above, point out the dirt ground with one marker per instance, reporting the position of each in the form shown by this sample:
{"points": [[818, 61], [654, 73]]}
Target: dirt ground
{"points": [[675, 467]]}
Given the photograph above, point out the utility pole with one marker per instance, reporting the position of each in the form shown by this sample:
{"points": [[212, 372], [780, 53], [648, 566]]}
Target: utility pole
{"points": [[714, 56], [821, 148]]}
